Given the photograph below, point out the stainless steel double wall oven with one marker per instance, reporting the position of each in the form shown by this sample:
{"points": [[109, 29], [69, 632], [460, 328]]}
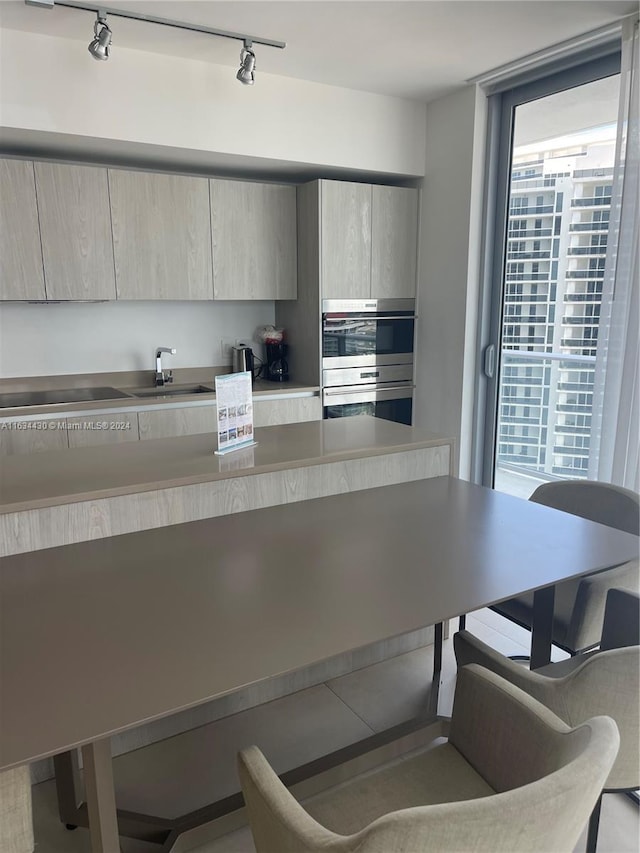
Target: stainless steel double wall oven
{"points": [[367, 358]]}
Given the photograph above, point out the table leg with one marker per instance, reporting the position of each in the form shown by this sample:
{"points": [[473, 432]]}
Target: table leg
{"points": [[68, 788], [101, 799], [437, 650], [542, 626]]}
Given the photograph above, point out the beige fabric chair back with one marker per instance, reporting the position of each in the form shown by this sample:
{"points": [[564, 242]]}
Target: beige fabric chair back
{"points": [[605, 682], [595, 501], [579, 603], [16, 825], [548, 778], [621, 625]]}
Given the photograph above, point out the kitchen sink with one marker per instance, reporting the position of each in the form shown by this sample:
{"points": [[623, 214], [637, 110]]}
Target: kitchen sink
{"points": [[63, 395], [168, 391]]}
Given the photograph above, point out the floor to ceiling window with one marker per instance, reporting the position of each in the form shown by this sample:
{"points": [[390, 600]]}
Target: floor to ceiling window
{"points": [[557, 228], [547, 338]]}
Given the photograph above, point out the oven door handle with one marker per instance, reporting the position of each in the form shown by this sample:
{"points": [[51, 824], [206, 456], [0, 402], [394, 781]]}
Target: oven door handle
{"points": [[341, 391], [369, 317]]}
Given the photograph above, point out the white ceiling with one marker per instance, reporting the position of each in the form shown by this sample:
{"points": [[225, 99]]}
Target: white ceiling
{"points": [[420, 49]]}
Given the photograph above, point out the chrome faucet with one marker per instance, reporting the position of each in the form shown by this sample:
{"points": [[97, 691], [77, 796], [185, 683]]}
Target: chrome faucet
{"points": [[163, 377]]}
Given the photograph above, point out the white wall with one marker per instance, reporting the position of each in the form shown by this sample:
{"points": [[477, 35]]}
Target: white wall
{"points": [[46, 340], [448, 281], [50, 84]]}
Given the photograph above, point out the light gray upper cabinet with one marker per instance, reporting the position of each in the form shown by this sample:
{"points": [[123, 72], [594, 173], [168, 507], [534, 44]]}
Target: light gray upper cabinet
{"points": [[253, 235], [394, 242], [345, 235], [21, 274], [75, 228], [368, 241], [161, 235]]}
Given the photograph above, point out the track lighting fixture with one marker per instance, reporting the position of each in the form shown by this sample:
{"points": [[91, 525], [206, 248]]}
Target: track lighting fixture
{"points": [[246, 74], [99, 46]]}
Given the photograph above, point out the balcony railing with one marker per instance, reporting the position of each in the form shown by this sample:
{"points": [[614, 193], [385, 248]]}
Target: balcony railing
{"points": [[536, 232], [535, 340], [531, 182], [523, 298], [573, 430], [567, 450], [573, 409], [588, 250], [527, 276], [589, 226], [596, 297], [594, 274], [580, 320], [579, 343], [576, 387], [524, 211], [593, 173], [530, 319], [528, 256], [556, 386], [593, 201]]}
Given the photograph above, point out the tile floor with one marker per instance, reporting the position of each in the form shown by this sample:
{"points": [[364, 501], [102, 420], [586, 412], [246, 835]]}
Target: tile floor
{"points": [[341, 710]]}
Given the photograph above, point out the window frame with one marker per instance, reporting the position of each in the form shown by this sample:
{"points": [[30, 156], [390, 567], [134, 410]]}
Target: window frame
{"points": [[501, 115]]}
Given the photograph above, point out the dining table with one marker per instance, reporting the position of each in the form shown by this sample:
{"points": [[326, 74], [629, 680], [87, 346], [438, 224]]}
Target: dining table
{"points": [[103, 636]]}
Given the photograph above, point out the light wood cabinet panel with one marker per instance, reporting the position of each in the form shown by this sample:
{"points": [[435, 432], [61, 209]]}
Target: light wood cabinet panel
{"points": [[21, 274], [394, 242], [90, 431], [161, 235], [50, 527], [253, 234], [345, 237], [173, 422], [31, 439], [75, 227], [293, 411]]}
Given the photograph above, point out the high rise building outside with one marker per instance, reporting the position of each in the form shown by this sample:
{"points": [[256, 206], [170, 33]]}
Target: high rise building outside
{"points": [[558, 222]]}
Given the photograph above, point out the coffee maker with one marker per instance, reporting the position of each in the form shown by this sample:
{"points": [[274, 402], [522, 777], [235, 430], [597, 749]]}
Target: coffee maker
{"points": [[276, 368]]}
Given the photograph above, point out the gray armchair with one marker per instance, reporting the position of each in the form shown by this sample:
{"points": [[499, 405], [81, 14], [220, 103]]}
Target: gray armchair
{"points": [[511, 777], [579, 604], [602, 682]]}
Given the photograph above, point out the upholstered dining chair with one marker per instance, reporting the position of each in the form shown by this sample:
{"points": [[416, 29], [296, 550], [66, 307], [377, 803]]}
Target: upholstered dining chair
{"points": [[598, 682], [579, 604], [16, 824], [510, 777]]}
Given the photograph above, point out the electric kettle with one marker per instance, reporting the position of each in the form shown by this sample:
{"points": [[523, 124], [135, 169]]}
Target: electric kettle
{"points": [[242, 359]]}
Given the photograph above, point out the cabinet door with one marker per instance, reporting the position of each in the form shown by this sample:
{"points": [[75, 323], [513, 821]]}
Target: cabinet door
{"points": [[253, 234], [168, 423], [21, 275], [161, 235], [75, 226], [98, 430], [345, 235], [14, 441], [292, 411], [394, 242]]}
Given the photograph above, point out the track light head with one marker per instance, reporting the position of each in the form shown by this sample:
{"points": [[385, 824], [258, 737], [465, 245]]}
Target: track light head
{"points": [[99, 46], [246, 74]]}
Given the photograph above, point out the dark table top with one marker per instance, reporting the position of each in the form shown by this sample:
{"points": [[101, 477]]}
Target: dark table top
{"points": [[102, 636]]}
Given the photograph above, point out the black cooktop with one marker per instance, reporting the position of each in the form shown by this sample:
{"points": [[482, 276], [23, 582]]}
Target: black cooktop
{"points": [[68, 395]]}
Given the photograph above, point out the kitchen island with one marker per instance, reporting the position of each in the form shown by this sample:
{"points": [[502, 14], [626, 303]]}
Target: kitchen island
{"points": [[59, 498]]}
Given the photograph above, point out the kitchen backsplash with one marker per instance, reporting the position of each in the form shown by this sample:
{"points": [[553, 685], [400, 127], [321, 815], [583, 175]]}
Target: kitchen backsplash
{"points": [[46, 340]]}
